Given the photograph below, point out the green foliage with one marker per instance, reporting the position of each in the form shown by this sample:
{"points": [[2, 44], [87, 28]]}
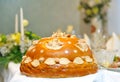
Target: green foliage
{"points": [[14, 55], [31, 35], [3, 38], [116, 59]]}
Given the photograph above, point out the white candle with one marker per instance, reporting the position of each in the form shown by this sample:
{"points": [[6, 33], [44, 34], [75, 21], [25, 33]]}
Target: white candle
{"points": [[16, 23], [22, 30], [21, 24]]}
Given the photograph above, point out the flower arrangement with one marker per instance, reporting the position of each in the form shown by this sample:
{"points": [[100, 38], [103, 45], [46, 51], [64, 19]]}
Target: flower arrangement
{"points": [[10, 46], [93, 8]]}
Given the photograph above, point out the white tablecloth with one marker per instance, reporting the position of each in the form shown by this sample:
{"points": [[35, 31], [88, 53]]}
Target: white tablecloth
{"points": [[21, 78], [12, 74], [9, 73]]}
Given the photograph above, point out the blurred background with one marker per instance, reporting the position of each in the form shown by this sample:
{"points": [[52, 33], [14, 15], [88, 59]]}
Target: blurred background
{"points": [[46, 16]]}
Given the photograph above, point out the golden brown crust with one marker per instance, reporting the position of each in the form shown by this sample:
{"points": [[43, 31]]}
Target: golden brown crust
{"points": [[56, 57], [59, 71]]}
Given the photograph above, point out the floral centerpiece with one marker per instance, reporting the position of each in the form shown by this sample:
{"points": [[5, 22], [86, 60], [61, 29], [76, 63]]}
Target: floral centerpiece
{"points": [[10, 46], [92, 8], [95, 16]]}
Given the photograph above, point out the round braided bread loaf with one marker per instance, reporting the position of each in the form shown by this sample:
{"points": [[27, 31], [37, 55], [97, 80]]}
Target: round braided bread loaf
{"points": [[61, 55]]}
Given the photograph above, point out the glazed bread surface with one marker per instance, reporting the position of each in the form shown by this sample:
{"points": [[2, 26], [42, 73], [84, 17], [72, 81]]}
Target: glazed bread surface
{"points": [[59, 56]]}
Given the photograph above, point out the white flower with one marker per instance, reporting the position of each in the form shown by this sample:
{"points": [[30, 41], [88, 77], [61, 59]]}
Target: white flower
{"points": [[94, 20], [4, 50], [91, 3]]}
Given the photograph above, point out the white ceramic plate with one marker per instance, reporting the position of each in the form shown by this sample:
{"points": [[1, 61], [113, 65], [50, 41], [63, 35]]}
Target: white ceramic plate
{"points": [[114, 69], [110, 69]]}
